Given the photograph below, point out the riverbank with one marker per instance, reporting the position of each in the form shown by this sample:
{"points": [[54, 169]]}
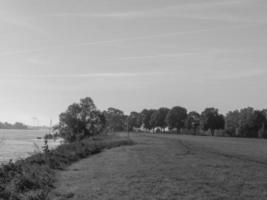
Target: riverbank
{"points": [[32, 178]]}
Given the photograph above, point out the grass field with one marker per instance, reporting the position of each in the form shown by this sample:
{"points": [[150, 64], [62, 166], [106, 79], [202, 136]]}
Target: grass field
{"points": [[170, 167]]}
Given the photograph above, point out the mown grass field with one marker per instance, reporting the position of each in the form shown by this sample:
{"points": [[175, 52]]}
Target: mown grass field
{"points": [[34, 177], [170, 167]]}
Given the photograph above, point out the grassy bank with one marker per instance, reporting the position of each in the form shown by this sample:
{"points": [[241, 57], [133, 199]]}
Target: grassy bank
{"points": [[33, 178], [170, 167]]}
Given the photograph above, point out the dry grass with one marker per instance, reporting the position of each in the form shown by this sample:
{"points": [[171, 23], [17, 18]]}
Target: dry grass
{"points": [[170, 167]]}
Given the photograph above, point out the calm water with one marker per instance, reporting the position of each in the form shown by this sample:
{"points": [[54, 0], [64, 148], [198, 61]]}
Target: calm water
{"points": [[15, 144]]}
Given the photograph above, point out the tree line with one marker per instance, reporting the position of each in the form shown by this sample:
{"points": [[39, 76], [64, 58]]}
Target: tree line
{"points": [[246, 122], [17, 125], [83, 119]]}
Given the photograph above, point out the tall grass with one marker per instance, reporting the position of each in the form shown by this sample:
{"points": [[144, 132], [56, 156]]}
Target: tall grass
{"points": [[33, 177]]}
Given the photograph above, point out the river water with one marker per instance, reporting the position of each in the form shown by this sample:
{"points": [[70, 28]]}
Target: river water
{"points": [[16, 144]]}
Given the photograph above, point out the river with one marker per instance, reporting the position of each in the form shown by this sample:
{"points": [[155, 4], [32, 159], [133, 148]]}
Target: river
{"points": [[16, 144]]}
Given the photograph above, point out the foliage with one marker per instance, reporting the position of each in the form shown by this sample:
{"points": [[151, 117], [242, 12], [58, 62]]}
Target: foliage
{"points": [[158, 118], [146, 118], [115, 118], [232, 122], [251, 121], [81, 120], [246, 122], [212, 120], [192, 121], [176, 118], [134, 120], [17, 125], [154, 119]]}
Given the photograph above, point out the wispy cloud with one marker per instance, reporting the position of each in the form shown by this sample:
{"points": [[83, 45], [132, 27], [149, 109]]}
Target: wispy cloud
{"points": [[193, 52], [153, 12], [22, 51], [223, 17], [128, 14], [83, 75], [237, 74], [158, 56], [108, 42], [19, 21], [35, 61]]}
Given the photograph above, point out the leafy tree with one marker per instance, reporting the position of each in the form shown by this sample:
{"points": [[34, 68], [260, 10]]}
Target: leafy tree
{"points": [[264, 111], [176, 118], [248, 121], [116, 120], [247, 128], [192, 121], [232, 122], [139, 120], [212, 120], [19, 125], [259, 120], [251, 121], [162, 114], [146, 118], [80, 120], [158, 118], [134, 120], [154, 120]]}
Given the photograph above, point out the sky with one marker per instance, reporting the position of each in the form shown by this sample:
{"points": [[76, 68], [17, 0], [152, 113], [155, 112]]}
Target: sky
{"points": [[130, 54]]}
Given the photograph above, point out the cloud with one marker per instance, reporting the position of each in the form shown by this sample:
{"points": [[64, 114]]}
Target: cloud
{"points": [[128, 14], [35, 61], [153, 12], [104, 42], [228, 74], [157, 56], [108, 42], [19, 21], [22, 51], [83, 75]]}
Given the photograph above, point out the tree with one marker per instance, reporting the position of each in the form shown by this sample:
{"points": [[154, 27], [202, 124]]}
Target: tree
{"points": [[162, 114], [19, 125], [158, 118], [146, 118], [264, 111], [116, 120], [154, 120], [192, 121], [251, 121], [80, 120], [259, 120], [134, 120], [212, 120], [232, 122], [176, 118]]}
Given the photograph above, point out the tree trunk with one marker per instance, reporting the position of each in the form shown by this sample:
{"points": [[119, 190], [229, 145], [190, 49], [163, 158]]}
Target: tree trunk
{"points": [[212, 132]]}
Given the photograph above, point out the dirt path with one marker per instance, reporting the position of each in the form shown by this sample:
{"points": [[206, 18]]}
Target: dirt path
{"points": [[169, 167]]}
